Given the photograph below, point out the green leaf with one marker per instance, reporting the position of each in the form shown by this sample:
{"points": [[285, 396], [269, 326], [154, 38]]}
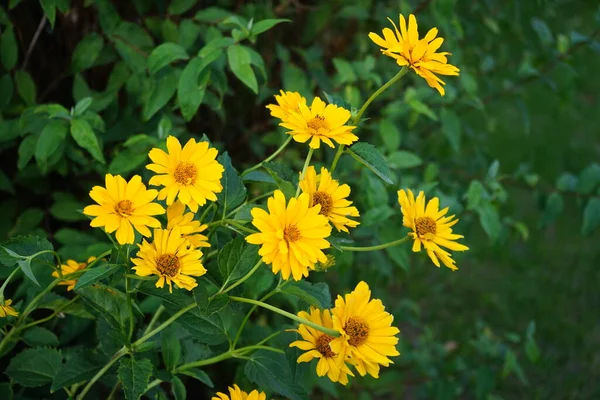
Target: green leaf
{"points": [[490, 220], [178, 389], [283, 176], [589, 179], [199, 375], [239, 60], [80, 367], [35, 367], [165, 54], [404, 159], [25, 87], [192, 85], [212, 15], [98, 272], [85, 137], [164, 88], [451, 127], [235, 259], [86, 52], [65, 208], [9, 51], [49, 7], [26, 151], [266, 24], [134, 375], [177, 7], [38, 336], [7, 89], [234, 191], [131, 56], [109, 303], [390, 135], [19, 249], [512, 365], [554, 207], [315, 294], [532, 351], [543, 31], [206, 305], [272, 371], [171, 349], [82, 106], [50, 139], [6, 391], [370, 157], [55, 302], [127, 161], [6, 184], [591, 216]]}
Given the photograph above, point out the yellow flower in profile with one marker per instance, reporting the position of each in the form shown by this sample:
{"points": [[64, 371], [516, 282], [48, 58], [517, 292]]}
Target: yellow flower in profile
{"points": [[70, 267], [171, 258], [6, 310], [367, 335], [320, 122], [292, 237], [123, 206], [418, 54], [430, 227], [287, 103], [316, 345], [332, 197], [235, 393], [190, 228], [192, 174]]}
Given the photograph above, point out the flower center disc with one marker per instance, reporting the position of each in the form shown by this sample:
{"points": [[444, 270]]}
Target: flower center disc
{"points": [[326, 202], [358, 330], [185, 173], [323, 346], [291, 233], [424, 225], [318, 125], [124, 208], [168, 264]]}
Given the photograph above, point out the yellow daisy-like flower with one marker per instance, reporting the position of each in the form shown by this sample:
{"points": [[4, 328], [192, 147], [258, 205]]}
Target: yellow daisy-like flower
{"points": [[6, 310], [287, 103], [320, 122], [70, 267], [190, 228], [171, 257], [235, 393], [316, 345], [192, 174], [123, 206], [292, 237], [367, 335], [430, 227], [418, 54], [327, 192]]}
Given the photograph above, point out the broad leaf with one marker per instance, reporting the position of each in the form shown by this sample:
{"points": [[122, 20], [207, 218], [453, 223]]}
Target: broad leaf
{"points": [[163, 89], [98, 272], [35, 367], [315, 294], [17, 250], [134, 376], [171, 349], [192, 85], [236, 258], [38, 336], [9, 51], [80, 367], [239, 60], [199, 375], [165, 54], [591, 216], [50, 139], [234, 191], [370, 157], [266, 24], [84, 136], [271, 370], [87, 51]]}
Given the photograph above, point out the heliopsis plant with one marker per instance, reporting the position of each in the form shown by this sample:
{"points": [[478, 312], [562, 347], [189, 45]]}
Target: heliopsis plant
{"points": [[70, 267], [190, 228], [288, 103]]}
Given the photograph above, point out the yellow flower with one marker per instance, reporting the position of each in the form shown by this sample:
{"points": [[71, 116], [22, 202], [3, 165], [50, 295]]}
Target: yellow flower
{"points": [[327, 192], [6, 309], [70, 267], [430, 227], [171, 257], [320, 122], [367, 335], [419, 54], [235, 393], [316, 345], [190, 229], [191, 174], [123, 206], [292, 238], [287, 103]]}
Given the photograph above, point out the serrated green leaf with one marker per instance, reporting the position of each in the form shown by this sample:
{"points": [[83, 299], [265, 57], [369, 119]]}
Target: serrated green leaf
{"points": [[165, 54], [234, 191], [80, 367], [272, 371], [35, 367], [171, 349], [371, 158], [17, 250], [314, 294], [134, 376], [109, 303], [95, 274], [84, 136], [206, 305], [9, 51], [236, 258]]}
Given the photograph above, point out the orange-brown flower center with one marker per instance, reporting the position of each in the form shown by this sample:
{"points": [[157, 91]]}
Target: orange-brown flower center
{"points": [[358, 330], [291, 233], [424, 225], [318, 125], [185, 173], [323, 345], [124, 208], [168, 264], [326, 202]]}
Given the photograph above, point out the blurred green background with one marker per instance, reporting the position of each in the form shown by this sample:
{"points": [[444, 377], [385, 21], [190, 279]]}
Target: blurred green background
{"points": [[512, 148]]}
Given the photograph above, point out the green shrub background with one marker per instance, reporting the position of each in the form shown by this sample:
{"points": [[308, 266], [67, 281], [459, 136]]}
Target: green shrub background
{"points": [[512, 148]]}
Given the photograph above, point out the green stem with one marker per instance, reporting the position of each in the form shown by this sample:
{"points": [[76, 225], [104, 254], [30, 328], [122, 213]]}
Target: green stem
{"points": [[271, 157], [306, 163], [330, 332], [212, 205], [155, 317], [377, 247], [48, 318], [154, 383], [99, 374], [140, 278], [240, 226], [360, 112], [242, 280], [246, 350], [271, 336], [12, 274], [164, 324], [129, 307], [239, 353]]}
